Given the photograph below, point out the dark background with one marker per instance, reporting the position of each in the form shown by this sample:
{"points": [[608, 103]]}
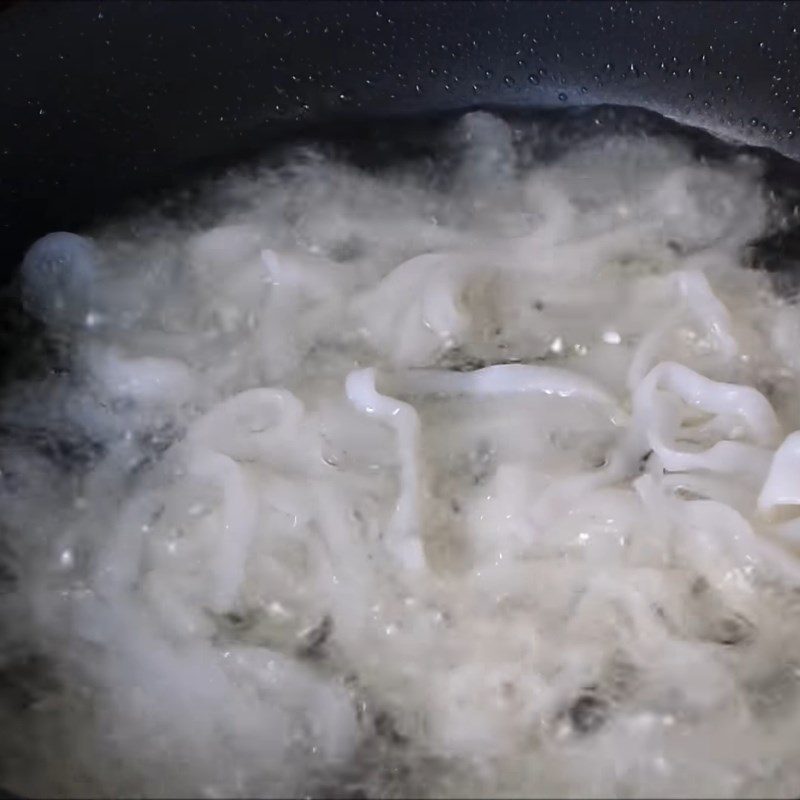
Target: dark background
{"points": [[103, 100]]}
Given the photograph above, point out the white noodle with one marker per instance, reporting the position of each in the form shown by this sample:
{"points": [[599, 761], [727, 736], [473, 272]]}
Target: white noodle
{"points": [[404, 532], [782, 486], [498, 380]]}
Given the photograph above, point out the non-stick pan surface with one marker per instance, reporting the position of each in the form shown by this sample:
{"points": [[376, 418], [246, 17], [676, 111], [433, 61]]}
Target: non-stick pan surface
{"points": [[103, 100]]}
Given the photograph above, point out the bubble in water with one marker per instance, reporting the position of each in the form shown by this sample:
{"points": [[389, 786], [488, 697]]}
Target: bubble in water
{"points": [[562, 96], [754, 121], [534, 79], [508, 80], [58, 277], [690, 96]]}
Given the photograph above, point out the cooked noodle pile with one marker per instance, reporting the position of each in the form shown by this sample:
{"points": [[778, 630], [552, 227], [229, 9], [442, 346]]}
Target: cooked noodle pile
{"points": [[395, 485]]}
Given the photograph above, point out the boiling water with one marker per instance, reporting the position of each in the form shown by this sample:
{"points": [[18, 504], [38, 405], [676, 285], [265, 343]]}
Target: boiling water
{"points": [[467, 475]]}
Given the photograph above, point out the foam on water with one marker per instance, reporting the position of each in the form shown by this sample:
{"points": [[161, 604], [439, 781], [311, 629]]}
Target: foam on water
{"points": [[474, 477]]}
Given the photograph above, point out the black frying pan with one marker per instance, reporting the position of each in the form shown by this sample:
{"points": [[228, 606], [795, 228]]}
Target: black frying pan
{"points": [[105, 100]]}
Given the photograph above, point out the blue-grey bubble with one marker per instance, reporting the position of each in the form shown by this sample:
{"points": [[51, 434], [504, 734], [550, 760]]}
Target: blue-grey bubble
{"points": [[59, 273]]}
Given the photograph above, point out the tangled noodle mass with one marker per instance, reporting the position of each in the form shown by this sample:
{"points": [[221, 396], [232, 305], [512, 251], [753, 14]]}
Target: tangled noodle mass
{"points": [[486, 490]]}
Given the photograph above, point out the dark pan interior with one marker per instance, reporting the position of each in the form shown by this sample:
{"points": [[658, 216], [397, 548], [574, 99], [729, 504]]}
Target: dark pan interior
{"points": [[105, 100]]}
